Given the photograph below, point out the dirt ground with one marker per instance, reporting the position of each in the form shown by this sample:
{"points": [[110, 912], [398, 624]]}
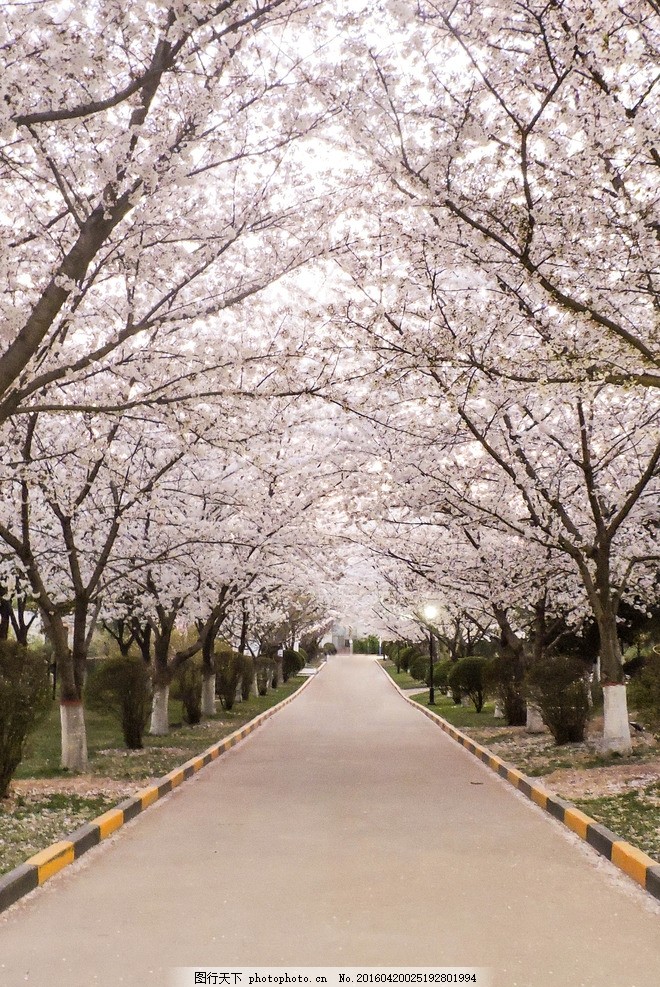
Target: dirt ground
{"points": [[580, 778], [595, 782], [84, 785]]}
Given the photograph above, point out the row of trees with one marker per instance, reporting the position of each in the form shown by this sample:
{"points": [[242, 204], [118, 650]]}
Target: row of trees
{"points": [[279, 281], [504, 304], [154, 472]]}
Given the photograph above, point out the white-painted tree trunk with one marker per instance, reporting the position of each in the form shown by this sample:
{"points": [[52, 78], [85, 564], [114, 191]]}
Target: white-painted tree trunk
{"points": [[255, 685], [160, 720], [238, 695], [497, 712], [535, 722], [616, 727], [74, 736], [208, 695]]}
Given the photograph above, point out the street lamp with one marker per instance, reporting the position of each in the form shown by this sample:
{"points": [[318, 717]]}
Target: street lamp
{"points": [[430, 612]]}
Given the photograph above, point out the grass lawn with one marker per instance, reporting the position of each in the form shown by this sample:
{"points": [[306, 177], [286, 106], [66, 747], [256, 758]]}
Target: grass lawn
{"points": [[108, 758], [402, 679], [37, 814], [459, 716]]}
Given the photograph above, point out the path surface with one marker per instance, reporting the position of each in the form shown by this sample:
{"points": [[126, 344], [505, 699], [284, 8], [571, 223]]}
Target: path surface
{"points": [[347, 831]]}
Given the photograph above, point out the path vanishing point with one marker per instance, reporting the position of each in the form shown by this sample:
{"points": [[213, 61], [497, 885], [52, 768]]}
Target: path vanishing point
{"points": [[347, 831]]}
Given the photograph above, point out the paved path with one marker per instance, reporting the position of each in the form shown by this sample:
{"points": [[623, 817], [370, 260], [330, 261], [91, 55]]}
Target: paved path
{"points": [[348, 831]]}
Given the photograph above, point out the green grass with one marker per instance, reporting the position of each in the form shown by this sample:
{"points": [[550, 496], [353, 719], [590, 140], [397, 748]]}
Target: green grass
{"points": [[109, 758], [459, 716], [402, 679], [43, 748]]}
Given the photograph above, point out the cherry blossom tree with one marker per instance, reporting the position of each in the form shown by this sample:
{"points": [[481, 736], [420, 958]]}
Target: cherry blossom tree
{"points": [[147, 175], [523, 139], [65, 496], [572, 468]]}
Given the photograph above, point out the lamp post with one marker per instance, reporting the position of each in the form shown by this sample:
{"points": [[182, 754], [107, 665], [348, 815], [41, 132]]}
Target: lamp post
{"points": [[429, 613]]}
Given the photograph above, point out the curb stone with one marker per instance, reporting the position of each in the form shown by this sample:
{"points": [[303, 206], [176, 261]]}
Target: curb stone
{"points": [[628, 858], [43, 865]]}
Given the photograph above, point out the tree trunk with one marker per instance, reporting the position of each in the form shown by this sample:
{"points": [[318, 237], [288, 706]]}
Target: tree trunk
{"points": [[242, 646], [616, 726], [513, 657], [5, 618], [74, 735], [208, 693], [160, 720], [143, 634], [208, 672], [71, 673], [535, 722], [162, 675]]}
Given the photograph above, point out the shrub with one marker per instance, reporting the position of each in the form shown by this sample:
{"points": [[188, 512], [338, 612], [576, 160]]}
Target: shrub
{"points": [[122, 686], [394, 651], [557, 686], [405, 654], [311, 646], [329, 648], [503, 677], [24, 698], [644, 693], [187, 687], [228, 670], [366, 645], [292, 663], [441, 670], [264, 667], [247, 676], [418, 667], [467, 676]]}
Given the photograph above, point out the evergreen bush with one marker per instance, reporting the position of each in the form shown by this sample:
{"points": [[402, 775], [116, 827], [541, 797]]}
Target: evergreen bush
{"points": [[558, 688], [407, 654], [292, 663], [441, 670], [366, 645], [644, 693], [187, 688], [418, 667], [24, 699], [247, 676], [467, 676], [122, 686], [264, 666], [228, 670], [503, 678]]}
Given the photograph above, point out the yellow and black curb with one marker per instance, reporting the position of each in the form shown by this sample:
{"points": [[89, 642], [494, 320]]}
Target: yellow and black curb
{"points": [[628, 858], [37, 869]]}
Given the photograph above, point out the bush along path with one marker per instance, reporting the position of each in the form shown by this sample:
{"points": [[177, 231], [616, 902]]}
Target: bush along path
{"points": [[47, 822], [623, 826]]}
